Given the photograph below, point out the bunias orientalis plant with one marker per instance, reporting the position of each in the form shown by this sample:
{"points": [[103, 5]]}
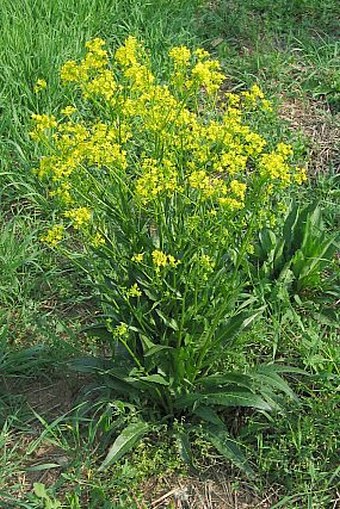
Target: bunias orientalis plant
{"points": [[166, 184]]}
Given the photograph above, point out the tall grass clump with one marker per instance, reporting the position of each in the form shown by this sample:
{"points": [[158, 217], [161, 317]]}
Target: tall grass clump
{"points": [[161, 184]]}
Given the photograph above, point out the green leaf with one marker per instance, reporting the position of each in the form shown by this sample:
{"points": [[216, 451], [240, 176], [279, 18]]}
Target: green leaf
{"points": [[236, 324], [168, 321], [125, 442], [229, 448], [242, 399], [185, 447], [269, 377], [207, 414], [155, 379], [232, 399], [156, 349], [289, 225], [90, 364], [230, 379], [268, 241], [40, 490]]}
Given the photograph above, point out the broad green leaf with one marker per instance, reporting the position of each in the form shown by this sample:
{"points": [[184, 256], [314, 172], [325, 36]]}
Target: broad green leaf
{"points": [[268, 241], [245, 399], [227, 379], [90, 364], [228, 447], [235, 325], [155, 379], [207, 414], [290, 223], [40, 490], [274, 380], [280, 368], [157, 349], [225, 399], [168, 321], [147, 343], [185, 447], [125, 442]]}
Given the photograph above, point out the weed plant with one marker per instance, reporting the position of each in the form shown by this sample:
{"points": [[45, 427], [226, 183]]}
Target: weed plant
{"points": [[291, 50], [166, 183]]}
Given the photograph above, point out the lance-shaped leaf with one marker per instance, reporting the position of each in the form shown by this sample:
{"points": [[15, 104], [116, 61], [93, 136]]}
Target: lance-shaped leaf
{"points": [[125, 442], [228, 447], [224, 399]]}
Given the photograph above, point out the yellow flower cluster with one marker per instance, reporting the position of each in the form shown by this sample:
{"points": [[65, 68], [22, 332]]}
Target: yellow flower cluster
{"points": [[180, 55], [54, 235], [134, 291], [207, 74], [39, 86], [96, 59], [300, 176], [121, 331], [254, 98], [206, 263], [79, 216], [78, 145], [274, 165], [97, 240], [161, 259], [62, 192], [231, 196], [126, 55], [138, 258], [42, 124], [156, 140], [68, 110], [156, 178]]}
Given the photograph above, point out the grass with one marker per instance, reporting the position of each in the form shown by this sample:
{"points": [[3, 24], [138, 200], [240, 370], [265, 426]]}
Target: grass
{"points": [[52, 429]]}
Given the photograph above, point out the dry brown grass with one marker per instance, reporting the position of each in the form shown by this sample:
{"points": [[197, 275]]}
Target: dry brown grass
{"points": [[321, 129]]}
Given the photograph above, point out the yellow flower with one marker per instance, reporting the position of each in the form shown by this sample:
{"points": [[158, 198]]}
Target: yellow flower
{"points": [[266, 105], [273, 166], [134, 291], [138, 257], [63, 193], [40, 85], [231, 203], [121, 331], [95, 45], [97, 240], [208, 75], [156, 178], [199, 179], [180, 55], [68, 111], [252, 96], [126, 55], [79, 216], [233, 99], [71, 72], [54, 235], [102, 85], [42, 124], [300, 175], [201, 54], [238, 188], [161, 259], [284, 149]]}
